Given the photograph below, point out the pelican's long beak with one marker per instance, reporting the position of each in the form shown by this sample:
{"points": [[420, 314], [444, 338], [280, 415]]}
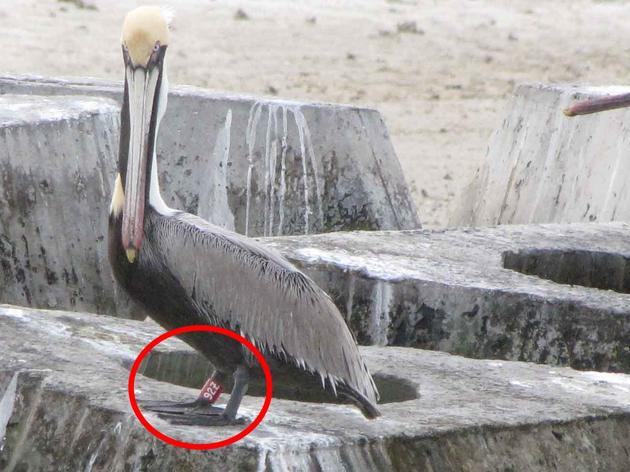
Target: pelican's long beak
{"points": [[142, 86], [596, 105]]}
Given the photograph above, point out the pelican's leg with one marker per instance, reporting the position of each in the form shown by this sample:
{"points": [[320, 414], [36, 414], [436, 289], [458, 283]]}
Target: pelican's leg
{"points": [[203, 404], [200, 416], [241, 382]]}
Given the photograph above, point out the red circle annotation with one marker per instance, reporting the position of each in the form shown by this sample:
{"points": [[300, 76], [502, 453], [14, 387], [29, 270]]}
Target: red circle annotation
{"points": [[200, 446]]}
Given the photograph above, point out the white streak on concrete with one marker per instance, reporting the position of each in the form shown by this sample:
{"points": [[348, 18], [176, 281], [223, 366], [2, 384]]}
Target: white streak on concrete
{"points": [[388, 268], [50, 109], [517, 383], [250, 139], [49, 326], [619, 381], [307, 143], [283, 170], [268, 171], [7, 402], [307, 210], [12, 312], [569, 383], [380, 317], [350, 299], [273, 159]]}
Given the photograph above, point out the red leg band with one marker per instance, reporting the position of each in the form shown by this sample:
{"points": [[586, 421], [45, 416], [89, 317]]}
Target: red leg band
{"points": [[210, 392]]}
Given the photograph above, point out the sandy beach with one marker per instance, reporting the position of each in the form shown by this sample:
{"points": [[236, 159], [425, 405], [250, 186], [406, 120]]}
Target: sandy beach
{"points": [[439, 71]]}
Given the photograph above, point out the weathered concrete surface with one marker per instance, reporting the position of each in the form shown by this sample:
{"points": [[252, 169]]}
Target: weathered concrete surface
{"points": [[56, 172], [437, 290], [448, 290], [58, 161], [63, 388], [543, 167], [267, 167]]}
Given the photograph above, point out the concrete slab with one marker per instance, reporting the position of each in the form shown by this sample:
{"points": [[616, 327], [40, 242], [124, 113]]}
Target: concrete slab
{"points": [[267, 167], [63, 390], [556, 294], [542, 167], [58, 161], [436, 290], [57, 171]]}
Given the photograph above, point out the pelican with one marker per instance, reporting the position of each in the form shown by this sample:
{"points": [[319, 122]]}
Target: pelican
{"points": [[186, 271]]}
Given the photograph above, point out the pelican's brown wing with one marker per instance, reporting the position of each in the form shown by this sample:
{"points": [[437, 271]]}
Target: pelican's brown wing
{"points": [[253, 289]]}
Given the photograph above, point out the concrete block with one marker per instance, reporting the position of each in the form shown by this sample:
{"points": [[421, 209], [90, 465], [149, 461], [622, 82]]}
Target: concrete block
{"points": [[543, 167], [313, 168], [63, 405], [554, 294], [438, 290], [56, 171], [267, 167]]}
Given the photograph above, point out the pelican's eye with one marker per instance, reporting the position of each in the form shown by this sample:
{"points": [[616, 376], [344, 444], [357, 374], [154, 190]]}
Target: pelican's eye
{"points": [[155, 54]]}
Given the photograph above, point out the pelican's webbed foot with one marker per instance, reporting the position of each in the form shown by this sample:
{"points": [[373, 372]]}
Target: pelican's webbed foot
{"points": [[197, 413], [201, 412], [203, 405], [181, 408], [201, 419]]}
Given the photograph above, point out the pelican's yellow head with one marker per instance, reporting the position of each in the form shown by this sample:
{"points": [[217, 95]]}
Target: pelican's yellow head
{"points": [[145, 30]]}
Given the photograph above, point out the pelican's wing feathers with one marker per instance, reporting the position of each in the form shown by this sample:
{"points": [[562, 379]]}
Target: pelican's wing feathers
{"points": [[253, 289]]}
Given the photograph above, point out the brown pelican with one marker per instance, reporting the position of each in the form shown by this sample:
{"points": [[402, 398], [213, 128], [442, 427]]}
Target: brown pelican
{"points": [[186, 271]]}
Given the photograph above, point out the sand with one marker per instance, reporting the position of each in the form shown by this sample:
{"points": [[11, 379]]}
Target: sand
{"points": [[442, 82]]}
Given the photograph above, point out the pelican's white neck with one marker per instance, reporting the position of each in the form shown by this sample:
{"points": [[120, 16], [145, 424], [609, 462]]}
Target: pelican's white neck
{"points": [[155, 197]]}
